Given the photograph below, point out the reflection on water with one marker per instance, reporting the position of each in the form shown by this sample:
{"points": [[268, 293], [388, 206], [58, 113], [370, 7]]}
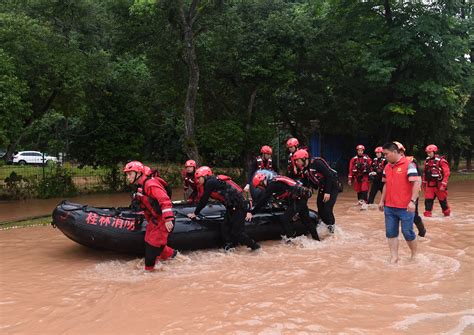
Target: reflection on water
{"points": [[344, 284]]}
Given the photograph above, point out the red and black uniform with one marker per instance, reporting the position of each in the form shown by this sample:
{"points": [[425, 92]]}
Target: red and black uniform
{"points": [[417, 219], [320, 176], [157, 208], [376, 172], [223, 189], [257, 164], [359, 169], [192, 192], [286, 188], [435, 182], [291, 170], [149, 172]]}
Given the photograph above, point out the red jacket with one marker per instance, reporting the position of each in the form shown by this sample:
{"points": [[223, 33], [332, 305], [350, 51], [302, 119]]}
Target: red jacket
{"points": [[359, 166], [436, 170], [157, 208]]}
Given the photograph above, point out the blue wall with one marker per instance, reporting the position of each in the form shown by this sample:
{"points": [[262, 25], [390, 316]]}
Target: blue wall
{"points": [[337, 150]]}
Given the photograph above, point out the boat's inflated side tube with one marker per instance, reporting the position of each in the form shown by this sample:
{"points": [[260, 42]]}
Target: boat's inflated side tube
{"points": [[122, 230]]}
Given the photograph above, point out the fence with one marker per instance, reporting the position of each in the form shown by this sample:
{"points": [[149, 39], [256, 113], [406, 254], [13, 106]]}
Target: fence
{"points": [[51, 180]]}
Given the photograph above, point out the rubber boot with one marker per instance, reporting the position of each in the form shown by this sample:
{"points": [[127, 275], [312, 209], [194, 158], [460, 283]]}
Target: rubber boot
{"points": [[331, 228], [445, 207], [420, 226], [255, 246]]}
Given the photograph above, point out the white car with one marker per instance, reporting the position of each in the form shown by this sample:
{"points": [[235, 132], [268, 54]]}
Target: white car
{"points": [[33, 157]]}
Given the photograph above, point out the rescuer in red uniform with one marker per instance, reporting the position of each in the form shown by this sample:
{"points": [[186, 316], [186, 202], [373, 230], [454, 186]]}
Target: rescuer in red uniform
{"points": [[359, 169], [157, 208], [435, 181]]}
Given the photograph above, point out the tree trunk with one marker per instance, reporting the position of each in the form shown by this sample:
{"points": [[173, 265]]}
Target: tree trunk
{"points": [[388, 12], [190, 146], [246, 154]]}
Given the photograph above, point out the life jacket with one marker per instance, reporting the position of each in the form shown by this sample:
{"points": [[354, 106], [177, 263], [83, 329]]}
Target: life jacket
{"points": [[378, 164], [231, 195], [264, 165], [433, 170], [188, 179], [316, 177], [155, 174], [295, 191], [151, 203], [360, 165]]}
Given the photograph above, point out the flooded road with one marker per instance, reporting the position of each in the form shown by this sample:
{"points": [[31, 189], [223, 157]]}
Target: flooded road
{"points": [[344, 284]]}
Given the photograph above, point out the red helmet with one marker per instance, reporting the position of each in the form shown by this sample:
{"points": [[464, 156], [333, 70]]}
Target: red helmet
{"points": [[360, 146], [134, 166], [190, 163], [378, 149], [292, 142], [300, 154], [399, 146], [266, 150], [203, 171], [258, 178], [431, 147]]}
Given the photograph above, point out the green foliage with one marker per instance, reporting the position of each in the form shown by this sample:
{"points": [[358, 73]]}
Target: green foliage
{"points": [[17, 187], [221, 142], [105, 81], [57, 184]]}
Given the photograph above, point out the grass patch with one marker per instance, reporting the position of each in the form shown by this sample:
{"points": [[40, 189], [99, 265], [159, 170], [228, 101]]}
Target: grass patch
{"points": [[457, 177], [43, 221], [37, 171]]}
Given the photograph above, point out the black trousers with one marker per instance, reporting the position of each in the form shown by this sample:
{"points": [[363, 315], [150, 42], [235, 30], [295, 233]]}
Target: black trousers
{"points": [[233, 226], [377, 185], [299, 206], [326, 209], [151, 253], [429, 204], [418, 221]]}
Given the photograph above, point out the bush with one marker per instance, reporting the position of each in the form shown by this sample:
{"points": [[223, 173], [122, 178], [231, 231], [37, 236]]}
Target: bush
{"points": [[17, 187], [58, 184]]}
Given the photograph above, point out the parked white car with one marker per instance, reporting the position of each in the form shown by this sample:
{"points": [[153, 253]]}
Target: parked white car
{"points": [[33, 157]]}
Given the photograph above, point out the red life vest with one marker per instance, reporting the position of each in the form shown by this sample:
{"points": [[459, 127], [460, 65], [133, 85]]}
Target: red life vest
{"points": [[219, 195], [433, 170], [360, 165], [264, 165], [156, 175], [151, 204], [296, 190], [378, 164]]}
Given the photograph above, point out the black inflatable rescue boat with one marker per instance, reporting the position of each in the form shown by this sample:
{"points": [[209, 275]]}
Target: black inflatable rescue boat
{"points": [[123, 230]]}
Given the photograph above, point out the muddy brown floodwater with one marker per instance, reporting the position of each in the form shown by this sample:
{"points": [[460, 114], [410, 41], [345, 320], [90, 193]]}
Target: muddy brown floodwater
{"points": [[342, 285]]}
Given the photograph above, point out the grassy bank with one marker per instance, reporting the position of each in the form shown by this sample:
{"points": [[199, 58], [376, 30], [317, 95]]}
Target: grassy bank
{"points": [[43, 221]]}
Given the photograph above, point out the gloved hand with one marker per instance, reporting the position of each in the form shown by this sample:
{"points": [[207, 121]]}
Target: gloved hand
{"points": [[169, 226], [443, 186], [247, 188], [138, 194]]}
